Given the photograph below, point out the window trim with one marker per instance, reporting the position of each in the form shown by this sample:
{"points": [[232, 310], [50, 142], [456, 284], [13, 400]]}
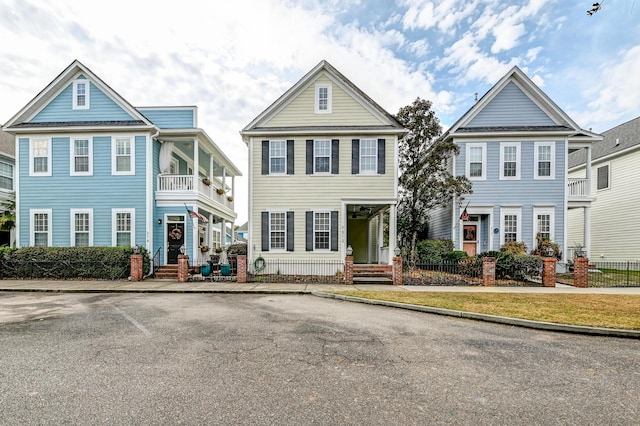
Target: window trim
{"points": [[87, 94], [510, 211], [330, 155], [72, 227], [32, 237], [278, 249], [32, 171], [551, 211], [360, 155], [504, 145], [319, 86], [328, 231], [536, 155], [468, 147], [72, 156], [114, 226], [608, 166], [114, 156], [284, 172], [10, 177]]}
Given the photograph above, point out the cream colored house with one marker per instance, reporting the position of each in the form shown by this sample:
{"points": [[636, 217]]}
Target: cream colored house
{"points": [[323, 174]]}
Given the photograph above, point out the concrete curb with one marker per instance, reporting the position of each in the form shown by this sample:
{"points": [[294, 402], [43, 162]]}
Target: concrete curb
{"points": [[539, 325]]}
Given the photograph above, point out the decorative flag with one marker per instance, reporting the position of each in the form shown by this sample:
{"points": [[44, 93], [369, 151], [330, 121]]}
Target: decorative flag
{"points": [[193, 214], [464, 216]]}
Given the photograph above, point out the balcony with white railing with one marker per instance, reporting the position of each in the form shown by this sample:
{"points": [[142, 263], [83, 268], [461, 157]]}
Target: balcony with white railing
{"points": [[186, 187], [579, 192]]}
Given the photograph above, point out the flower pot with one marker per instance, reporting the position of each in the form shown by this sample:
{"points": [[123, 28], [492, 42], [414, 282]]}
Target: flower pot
{"points": [[225, 269], [220, 191], [230, 199]]}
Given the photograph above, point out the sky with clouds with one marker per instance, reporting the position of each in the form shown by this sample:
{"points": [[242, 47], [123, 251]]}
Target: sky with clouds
{"points": [[234, 58]]}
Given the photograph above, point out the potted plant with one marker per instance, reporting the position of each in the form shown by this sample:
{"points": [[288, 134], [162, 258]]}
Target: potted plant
{"points": [[230, 198], [206, 181], [220, 191], [204, 249]]}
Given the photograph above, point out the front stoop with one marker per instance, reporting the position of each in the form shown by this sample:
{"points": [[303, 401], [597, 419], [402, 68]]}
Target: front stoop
{"points": [[167, 272], [372, 274]]}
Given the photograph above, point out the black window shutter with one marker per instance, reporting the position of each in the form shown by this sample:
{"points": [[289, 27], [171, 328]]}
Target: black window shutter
{"points": [[335, 156], [381, 153], [290, 158], [265, 157], [308, 231], [334, 231], [290, 231], [265, 231], [309, 156], [355, 156]]}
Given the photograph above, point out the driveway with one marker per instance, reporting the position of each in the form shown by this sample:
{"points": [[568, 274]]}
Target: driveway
{"points": [[296, 359]]}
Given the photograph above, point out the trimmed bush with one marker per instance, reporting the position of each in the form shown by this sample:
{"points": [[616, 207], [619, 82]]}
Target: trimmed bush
{"points": [[514, 247], [433, 250], [238, 248], [455, 256], [69, 262]]}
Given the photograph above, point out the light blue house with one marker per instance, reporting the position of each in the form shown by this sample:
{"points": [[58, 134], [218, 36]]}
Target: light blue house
{"points": [[7, 160], [514, 143], [92, 170]]}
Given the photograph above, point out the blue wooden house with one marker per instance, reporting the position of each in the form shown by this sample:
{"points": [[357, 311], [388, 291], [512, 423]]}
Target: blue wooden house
{"points": [[514, 143], [93, 170]]}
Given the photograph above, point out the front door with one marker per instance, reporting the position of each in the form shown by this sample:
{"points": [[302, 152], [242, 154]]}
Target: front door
{"points": [[175, 240], [470, 239]]}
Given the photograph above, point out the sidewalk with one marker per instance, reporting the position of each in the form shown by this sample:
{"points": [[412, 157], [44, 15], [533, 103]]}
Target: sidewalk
{"points": [[168, 286]]}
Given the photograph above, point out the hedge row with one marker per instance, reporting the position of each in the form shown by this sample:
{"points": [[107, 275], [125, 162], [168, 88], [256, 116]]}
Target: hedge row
{"points": [[107, 263]]}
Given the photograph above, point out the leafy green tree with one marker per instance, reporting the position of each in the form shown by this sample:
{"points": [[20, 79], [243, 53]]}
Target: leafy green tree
{"points": [[8, 218], [425, 180]]}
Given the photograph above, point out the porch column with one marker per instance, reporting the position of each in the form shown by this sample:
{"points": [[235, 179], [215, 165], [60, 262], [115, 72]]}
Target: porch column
{"points": [[587, 231], [380, 239], [224, 178], [233, 187], [392, 231], [196, 162], [588, 172], [223, 233]]}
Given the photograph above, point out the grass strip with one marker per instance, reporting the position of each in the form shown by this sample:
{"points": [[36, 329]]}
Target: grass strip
{"points": [[594, 310]]}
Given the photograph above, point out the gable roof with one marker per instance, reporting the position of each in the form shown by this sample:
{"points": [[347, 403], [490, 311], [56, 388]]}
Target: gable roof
{"points": [[21, 119], [7, 144], [256, 125], [556, 120], [617, 140]]}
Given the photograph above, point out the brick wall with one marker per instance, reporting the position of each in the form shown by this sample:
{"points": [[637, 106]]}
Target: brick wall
{"points": [[183, 268], [581, 272], [549, 272], [397, 270], [242, 268], [136, 267], [489, 271], [348, 270]]}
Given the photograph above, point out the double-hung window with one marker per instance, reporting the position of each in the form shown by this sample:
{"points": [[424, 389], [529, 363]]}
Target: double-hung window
{"points": [[510, 224], [277, 157], [543, 222], [6, 176], [322, 156], [123, 227], [81, 157], [476, 155], [123, 155], [603, 177], [544, 159], [368, 156], [510, 160], [323, 98], [81, 94], [81, 227], [277, 230], [40, 153], [322, 230], [40, 232]]}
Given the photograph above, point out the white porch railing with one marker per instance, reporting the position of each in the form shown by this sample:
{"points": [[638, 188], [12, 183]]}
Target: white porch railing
{"points": [[168, 184], [578, 187]]}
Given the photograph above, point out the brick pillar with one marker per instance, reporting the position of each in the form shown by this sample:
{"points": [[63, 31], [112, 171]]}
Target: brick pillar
{"points": [[489, 271], [581, 272], [348, 270], [242, 268], [183, 268], [397, 270], [136, 267], [549, 272]]}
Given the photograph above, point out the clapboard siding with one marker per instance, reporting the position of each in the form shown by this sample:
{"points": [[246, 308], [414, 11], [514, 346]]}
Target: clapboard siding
{"points": [[511, 107], [101, 192], [345, 110], [440, 223], [102, 108], [170, 118]]}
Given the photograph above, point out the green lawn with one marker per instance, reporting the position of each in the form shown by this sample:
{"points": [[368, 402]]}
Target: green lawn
{"points": [[595, 310]]}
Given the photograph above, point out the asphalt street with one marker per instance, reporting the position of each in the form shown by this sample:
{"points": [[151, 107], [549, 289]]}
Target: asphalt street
{"points": [[121, 358]]}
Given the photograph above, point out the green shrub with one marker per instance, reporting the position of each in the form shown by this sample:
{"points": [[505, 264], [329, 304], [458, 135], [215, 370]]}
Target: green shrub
{"points": [[69, 262], [514, 247], [238, 248], [433, 251], [509, 266], [545, 246], [455, 256]]}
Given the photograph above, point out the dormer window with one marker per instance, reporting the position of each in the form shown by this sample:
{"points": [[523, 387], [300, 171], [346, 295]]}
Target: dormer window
{"points": [[81, 94], [323, 98]]}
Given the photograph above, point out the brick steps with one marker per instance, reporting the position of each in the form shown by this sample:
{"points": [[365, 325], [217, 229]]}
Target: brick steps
{"points": [[167, 272], [373, 274]]}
